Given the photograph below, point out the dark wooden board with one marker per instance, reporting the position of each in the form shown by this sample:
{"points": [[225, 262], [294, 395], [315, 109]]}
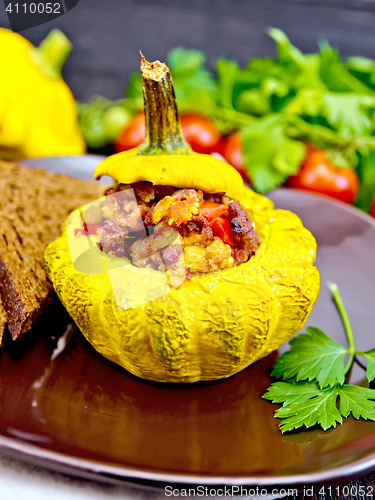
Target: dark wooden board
{"points": [[107, 35]]}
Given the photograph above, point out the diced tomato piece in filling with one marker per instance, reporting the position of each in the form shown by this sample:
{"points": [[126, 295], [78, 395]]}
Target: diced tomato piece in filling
{"points": [[213, 231]]}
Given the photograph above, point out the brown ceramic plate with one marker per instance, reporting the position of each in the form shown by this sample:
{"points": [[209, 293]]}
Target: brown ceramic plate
{"points": [[81, 414]]}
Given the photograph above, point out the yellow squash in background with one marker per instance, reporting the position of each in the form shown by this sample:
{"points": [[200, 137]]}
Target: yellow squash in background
{"points": [[217, 323], [38, 115]]}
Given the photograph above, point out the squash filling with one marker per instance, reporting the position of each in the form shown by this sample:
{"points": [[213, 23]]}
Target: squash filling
{"points": [[213, 231]]}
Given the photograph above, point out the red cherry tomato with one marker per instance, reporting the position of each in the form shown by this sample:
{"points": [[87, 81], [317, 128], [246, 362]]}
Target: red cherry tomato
{"points": [[211, 210], [372, 209], [318, 174], [133, 134], [197, 130], [200, 133], [231, 149]]}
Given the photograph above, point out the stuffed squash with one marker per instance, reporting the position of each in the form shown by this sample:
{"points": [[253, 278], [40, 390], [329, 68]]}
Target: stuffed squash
{"points": [[180, 273]]}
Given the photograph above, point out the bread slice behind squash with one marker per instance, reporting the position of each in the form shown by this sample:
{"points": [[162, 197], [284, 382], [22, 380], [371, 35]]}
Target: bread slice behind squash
{"points": [[33, 204]]}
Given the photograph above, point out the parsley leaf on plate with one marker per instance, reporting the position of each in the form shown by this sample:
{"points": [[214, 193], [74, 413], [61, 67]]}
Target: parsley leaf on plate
{"points": [[305, 404], [313, 355], [370, 358], [291, 391], [319, 360], [358, 401]]}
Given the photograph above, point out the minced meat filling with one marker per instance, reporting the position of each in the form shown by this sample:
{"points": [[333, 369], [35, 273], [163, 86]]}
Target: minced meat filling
{"points": [[212, 231]]}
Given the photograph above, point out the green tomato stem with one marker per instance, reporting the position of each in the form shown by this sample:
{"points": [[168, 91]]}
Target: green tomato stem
{"points": [[52, 53], [346, 322]]}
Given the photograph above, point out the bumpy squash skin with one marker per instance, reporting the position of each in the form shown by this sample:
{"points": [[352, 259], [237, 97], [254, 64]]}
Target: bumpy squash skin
{"points": [[210, 327]]}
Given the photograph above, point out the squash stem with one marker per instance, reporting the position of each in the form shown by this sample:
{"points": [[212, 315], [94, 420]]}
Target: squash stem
{"points": [[52, 53], [163, 129]]}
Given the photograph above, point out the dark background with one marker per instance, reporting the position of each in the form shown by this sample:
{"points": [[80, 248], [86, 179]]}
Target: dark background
{"points": [[108, 34]]}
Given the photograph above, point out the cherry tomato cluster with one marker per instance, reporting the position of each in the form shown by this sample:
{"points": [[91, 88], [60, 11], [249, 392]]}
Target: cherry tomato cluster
{"points": [[317, 172], [198, 131]]}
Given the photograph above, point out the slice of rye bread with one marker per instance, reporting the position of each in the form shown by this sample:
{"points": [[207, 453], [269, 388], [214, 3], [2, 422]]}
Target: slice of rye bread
{"points": [[33, 204], [3, 320]]}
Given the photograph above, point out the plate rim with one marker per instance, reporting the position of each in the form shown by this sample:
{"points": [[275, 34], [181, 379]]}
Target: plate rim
{"points": [[123, 473], [327, 199], [103, 471]]}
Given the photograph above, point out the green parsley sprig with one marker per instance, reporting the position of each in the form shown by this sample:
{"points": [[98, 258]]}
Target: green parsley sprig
{"points": [[314, 370]]}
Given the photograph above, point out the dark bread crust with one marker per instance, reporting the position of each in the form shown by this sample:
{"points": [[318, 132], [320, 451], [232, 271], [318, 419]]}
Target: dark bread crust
{"points": [[33, 204], [11, 301], [22, 299], [3, 320]]}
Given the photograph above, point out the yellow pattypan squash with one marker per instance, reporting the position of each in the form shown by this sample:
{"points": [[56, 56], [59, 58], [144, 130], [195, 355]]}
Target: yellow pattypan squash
{"points": [[38, 115], [214, 324]]}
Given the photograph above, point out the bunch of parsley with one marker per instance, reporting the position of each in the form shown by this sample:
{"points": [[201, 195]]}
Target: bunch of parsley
{"points": [[314, 390], [316, 98], [276, 105]]}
